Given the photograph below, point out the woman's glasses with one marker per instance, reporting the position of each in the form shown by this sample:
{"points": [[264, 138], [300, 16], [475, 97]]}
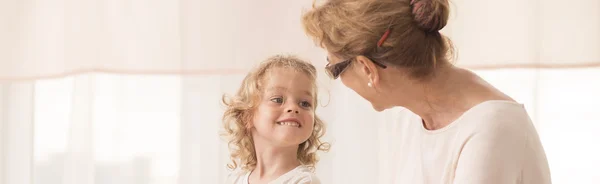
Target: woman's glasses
{"points": [[334, 70]]}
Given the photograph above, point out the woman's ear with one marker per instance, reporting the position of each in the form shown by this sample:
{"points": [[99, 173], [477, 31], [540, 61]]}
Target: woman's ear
{"points": [[369, 69]]}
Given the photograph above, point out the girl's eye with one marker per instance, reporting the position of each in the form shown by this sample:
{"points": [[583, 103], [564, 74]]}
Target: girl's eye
{"points": [[277, 100], [305, 104]]}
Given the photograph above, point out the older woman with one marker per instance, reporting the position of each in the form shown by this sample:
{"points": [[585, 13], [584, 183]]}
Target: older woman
{"points": [[459, 129]]}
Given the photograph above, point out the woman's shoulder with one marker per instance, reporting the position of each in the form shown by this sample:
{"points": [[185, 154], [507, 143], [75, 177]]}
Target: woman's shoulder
{"points": [[499, 122], [500, 134], [497, 115]]}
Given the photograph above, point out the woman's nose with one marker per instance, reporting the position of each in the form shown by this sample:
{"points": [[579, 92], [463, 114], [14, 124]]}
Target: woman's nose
{"points": [[290, 110]]}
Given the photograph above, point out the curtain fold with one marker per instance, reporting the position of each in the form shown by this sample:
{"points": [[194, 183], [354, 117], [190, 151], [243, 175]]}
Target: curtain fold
{"points": [[16, 132], [79, 157], [201, 146]]}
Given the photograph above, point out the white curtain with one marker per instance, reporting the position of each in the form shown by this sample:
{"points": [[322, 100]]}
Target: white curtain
{"points": [[95, 92]]}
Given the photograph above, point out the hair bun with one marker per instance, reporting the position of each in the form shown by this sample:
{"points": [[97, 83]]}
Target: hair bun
{"points": [[430, 15]]}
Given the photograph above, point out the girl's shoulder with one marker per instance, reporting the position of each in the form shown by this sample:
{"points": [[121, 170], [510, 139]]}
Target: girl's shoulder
{"points": [[238, 176], [300, 175]]}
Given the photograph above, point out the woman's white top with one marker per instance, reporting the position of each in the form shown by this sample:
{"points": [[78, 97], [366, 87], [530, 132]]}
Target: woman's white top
{"points": [[494, 142]]}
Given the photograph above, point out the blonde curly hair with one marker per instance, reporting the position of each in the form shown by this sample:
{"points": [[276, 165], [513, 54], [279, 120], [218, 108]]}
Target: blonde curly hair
{"points": [[240, 109]]}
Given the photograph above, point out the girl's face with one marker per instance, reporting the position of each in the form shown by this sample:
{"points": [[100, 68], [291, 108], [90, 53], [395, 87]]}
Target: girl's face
{"points": [[285, 115]]}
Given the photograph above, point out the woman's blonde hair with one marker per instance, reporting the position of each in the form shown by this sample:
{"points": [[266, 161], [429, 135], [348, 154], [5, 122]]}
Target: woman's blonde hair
{"points": [[349, 28], [240, 109]]}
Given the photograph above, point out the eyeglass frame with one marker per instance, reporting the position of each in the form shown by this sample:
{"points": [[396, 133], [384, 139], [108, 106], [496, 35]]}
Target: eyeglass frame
{"points": [[335, 70]]}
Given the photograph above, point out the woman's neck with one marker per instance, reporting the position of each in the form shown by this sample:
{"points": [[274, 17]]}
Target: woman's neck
{"points": [[272, 162], [444, 97]]}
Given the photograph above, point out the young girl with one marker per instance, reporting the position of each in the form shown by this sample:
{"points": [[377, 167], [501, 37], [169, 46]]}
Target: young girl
{"points": [[273, 132]]}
